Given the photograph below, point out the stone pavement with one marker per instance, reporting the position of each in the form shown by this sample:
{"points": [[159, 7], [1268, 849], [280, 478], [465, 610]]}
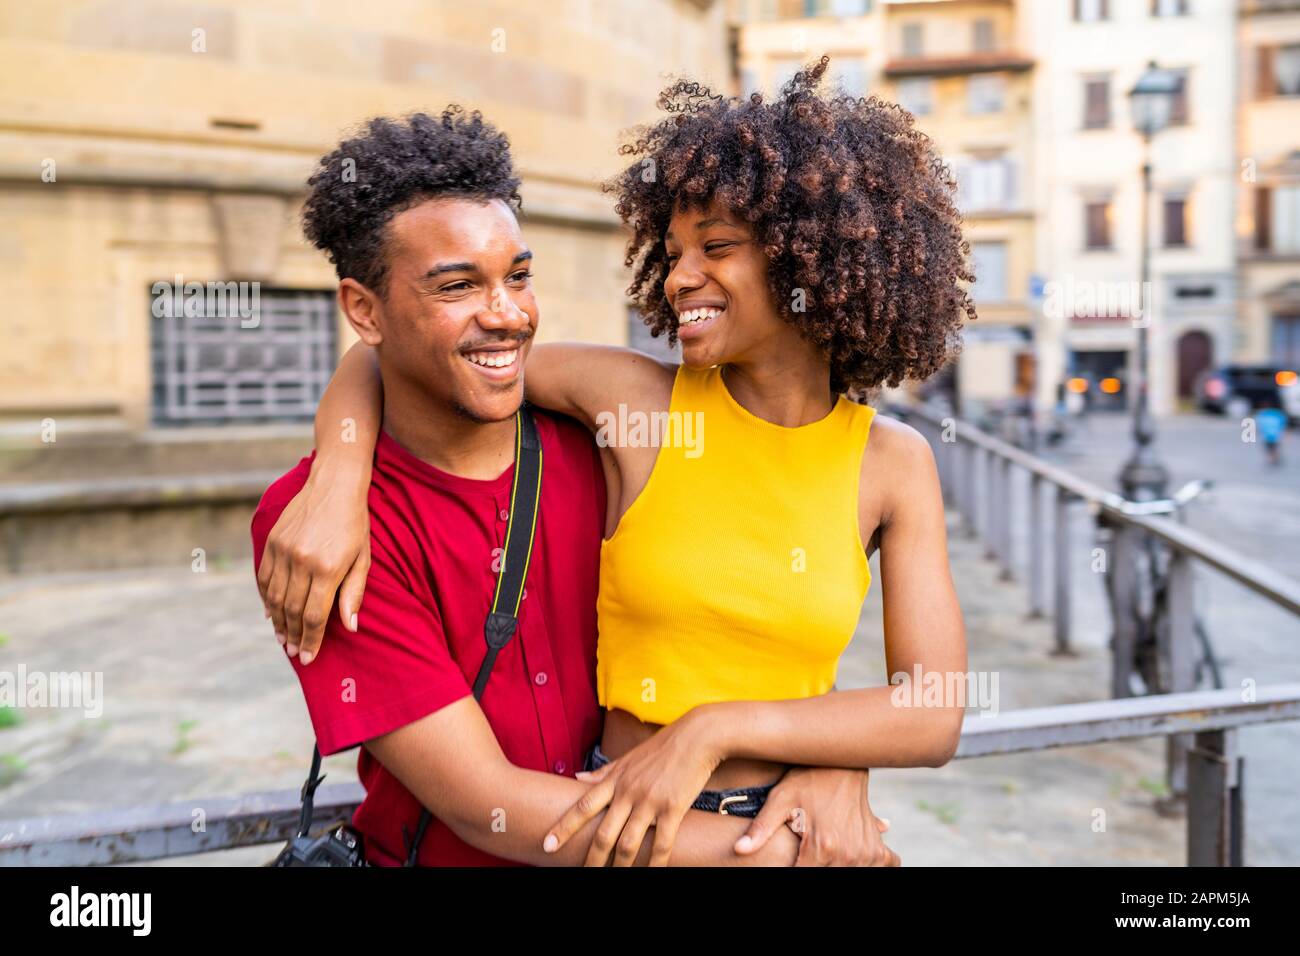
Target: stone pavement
{"points": [[197, 704]]}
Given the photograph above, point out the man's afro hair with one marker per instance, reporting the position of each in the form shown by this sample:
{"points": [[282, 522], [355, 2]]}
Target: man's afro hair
{"points": [[393, 165]]}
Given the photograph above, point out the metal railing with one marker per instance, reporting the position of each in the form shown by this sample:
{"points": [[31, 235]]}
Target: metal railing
{"points": [[978, 472], [1214, 818]]}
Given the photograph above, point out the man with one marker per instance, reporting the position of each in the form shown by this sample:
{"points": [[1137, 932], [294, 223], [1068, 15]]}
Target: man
{"points": [[418, 218]]}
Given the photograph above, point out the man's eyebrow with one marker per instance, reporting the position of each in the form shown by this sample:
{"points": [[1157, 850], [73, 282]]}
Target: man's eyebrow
{"points": [[445, 267]]}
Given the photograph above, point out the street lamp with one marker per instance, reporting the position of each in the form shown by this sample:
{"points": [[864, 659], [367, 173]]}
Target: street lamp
{"points": [[1151, 101]]}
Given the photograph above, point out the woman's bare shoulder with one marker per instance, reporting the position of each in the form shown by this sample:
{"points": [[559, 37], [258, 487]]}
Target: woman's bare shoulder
{"points": [[896, 444], [898, 468]]}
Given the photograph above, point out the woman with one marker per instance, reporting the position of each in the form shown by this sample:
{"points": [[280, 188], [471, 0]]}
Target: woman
{"points": [[798, 249]]}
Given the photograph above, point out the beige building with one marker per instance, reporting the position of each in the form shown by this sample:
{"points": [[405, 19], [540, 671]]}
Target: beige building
{"points": [[150, 143], [960, 67], [1268, 220], [774, 38]]}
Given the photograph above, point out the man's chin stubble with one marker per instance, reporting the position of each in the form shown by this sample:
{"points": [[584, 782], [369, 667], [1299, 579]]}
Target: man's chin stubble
{"points": [[478, 419]]}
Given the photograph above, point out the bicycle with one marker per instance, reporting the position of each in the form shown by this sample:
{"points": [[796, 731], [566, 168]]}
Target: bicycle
{"points": [[1139, 604]]}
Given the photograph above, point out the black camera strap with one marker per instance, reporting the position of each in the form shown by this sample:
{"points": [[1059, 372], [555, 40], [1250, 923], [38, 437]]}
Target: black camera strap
{"points": [[503, 618], [521, 528]]}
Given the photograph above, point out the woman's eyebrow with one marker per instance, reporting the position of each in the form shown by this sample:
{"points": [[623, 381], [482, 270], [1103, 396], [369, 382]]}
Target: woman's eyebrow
{"points": [[704, 224]]}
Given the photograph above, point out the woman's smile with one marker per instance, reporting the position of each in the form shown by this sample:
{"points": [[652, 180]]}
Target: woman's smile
{"points": [[693, 323]]}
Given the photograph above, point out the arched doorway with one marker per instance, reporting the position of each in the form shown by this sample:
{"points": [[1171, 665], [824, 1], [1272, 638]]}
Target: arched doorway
{"points": [[1195, 355]]}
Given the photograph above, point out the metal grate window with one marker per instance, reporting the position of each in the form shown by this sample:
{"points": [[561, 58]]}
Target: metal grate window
{"points": [[219, 363]]}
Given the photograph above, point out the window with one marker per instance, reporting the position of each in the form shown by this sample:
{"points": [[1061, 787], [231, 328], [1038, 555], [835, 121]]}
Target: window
{"points": [[1096, 102], [1178, 110], [983, 41], [1175, 220], [986, 183], [915, 94], [985, 93], [1278, 69], [1286, 340], [1286, 219], [1096, 224], [1168, 8], [1090, 11], [990, 262], [1277, 219], [229, 362], [850, 76], [911, 39], [850, 8]]}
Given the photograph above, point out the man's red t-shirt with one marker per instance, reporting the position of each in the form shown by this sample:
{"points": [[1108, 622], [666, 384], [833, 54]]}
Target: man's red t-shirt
{"points": [[434, 538]]}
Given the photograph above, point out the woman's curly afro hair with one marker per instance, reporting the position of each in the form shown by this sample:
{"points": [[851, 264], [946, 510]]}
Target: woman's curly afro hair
{"points": [[848, 200], [391, 166]]}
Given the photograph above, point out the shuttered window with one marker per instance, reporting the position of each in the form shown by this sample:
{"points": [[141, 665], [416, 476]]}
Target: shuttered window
{"points": [[1175, 221], [1096, 102], [990, 262], [1097, 224]]}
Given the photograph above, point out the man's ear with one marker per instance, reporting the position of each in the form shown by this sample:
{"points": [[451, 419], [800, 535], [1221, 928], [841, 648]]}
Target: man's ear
{"points": [[363, 310]]}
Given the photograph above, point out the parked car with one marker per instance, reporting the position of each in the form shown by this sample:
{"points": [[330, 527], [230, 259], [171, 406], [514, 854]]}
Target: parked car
{"points": [[1237, 390], [1089, 391]]}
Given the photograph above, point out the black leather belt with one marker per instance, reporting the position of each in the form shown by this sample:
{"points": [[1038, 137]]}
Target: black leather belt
{"points": [[737, 802]]}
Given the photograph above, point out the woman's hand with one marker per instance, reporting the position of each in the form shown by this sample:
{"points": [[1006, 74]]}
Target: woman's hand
{"points": [[828, 809], [652, 785], [321, 540]]}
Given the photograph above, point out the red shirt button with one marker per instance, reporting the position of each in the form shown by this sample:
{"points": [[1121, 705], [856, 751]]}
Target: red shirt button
{"points": [[541, 678], [503, 514], [560, 766]]}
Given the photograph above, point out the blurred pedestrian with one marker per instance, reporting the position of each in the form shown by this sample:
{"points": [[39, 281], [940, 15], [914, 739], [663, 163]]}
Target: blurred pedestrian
{"points": [[1271, 424]]}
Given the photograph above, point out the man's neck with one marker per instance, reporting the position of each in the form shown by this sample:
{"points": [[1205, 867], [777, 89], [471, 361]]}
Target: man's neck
{"points": [[445, 438]]}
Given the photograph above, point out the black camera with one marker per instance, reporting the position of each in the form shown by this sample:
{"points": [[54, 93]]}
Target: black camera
{"points": [[340, 846]]}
